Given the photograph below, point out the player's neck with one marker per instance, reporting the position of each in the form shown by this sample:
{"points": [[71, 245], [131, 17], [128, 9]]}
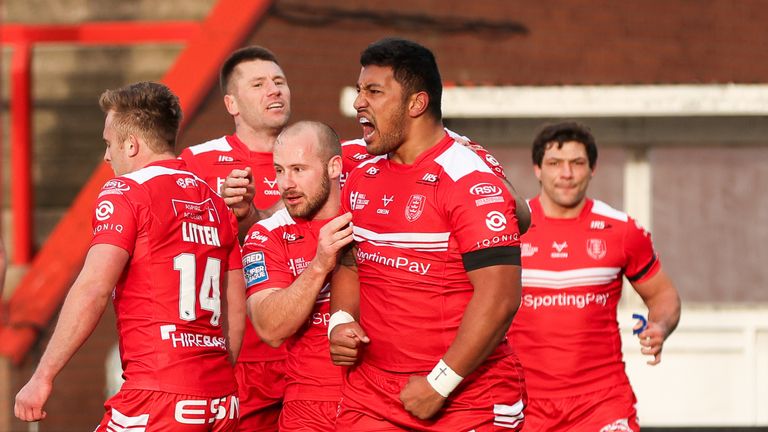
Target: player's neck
{"points": [[555, 211], [257, 141], [420, 137], [144, 160]]}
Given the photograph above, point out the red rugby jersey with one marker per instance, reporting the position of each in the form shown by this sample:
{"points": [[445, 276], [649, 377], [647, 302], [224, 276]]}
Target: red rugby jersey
{"points": [[275, 253], [354, 152], [565, 332], [182, 240], [213, 161], [412, 224]]}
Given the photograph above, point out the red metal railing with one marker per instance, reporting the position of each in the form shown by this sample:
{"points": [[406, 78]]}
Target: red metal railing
{"points": [[40, 292], [23, 38]]}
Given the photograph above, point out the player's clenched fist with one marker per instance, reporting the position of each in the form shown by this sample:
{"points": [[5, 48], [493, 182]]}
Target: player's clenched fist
{"points": [[30, 400], [420, 399], [238, 191], [347, 340]]}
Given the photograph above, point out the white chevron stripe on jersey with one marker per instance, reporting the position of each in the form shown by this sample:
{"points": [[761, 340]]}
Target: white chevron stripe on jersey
{"points": [[569, 278], [218, 144], [123, 423], [416, 241], [148, 173], [459, 161], [603, 209], [508, 416], [280, 218]]}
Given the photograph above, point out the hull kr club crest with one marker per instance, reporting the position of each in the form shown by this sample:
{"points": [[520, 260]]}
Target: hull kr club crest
{"points": [[415, 207], [596, 248]]}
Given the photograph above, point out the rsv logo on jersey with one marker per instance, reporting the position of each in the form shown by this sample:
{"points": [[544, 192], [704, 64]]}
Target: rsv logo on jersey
{"points": [[114, 187], [488, 193], [117, 185], [225, 159]]}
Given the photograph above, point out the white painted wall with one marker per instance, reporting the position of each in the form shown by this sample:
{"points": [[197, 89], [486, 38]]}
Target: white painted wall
{"points": [[714, 369]]}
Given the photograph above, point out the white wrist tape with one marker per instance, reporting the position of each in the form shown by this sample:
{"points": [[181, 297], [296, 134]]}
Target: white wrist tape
{"points": [[339, 317], [443, 379]]}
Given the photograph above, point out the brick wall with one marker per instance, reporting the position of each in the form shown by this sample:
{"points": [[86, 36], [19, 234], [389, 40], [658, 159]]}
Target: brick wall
{"points": [[568, 42]]}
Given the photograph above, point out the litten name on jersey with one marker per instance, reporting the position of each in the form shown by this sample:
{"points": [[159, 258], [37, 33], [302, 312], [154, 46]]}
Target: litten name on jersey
{"points": [[201, 234]]}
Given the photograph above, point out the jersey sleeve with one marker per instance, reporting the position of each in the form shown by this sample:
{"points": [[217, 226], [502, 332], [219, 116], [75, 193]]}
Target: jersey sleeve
{"points": [[353, 153], [642, 261], [265, 263], [346, 199], [479, 150], [114, 218], [235, 253], [482, 216]]}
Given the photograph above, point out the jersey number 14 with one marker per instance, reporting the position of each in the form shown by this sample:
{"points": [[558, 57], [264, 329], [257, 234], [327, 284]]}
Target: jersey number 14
{"points": [[210, 289]]}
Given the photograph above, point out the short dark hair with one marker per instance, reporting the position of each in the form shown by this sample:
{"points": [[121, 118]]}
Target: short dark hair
{"points": [[242, 55], [146, 108], [562, 133], [413, 66]]}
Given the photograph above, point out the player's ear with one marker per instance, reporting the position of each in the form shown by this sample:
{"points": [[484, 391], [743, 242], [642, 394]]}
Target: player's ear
{"points": [[419, 102], [537, 171], [231, 104], [132, 145], [334, 167]]}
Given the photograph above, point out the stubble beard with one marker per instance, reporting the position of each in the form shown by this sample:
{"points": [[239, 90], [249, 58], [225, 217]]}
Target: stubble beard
{"points": [[314, 203], [391, 140]]}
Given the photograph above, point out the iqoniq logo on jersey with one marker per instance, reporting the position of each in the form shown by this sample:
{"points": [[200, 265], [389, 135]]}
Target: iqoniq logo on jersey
{"points": [[495, 221], [104, 210]]}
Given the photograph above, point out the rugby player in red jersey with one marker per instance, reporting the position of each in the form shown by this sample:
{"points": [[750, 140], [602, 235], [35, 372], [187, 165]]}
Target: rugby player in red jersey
{"points": [[165, 251], [421, 309], [239, 166], [574, 257], [288, 259]]}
